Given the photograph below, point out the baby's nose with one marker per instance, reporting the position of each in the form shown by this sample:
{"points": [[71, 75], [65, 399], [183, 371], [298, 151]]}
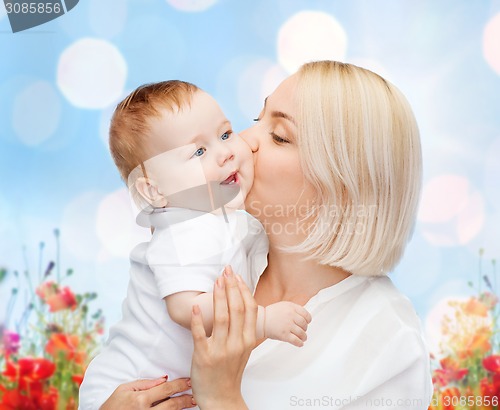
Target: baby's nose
{"points": [[225, 155]]}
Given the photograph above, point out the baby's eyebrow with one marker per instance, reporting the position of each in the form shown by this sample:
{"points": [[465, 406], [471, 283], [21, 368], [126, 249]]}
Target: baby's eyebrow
{"points": [[225, 122]]}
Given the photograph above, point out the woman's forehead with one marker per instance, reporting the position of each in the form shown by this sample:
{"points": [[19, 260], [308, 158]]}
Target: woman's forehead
{"points": [[283, 98]]}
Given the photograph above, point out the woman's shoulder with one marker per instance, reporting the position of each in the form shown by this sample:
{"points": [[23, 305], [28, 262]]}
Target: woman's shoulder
{"points": [[386, 299], [387, 317], [371, 305]]}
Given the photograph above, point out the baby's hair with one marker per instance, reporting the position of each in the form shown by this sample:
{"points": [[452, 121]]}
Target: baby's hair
{"points": [[130, 122]]}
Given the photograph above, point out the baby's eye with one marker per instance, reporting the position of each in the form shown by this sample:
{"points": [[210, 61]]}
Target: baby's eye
{"points": [[226, 135], [199, 152]]}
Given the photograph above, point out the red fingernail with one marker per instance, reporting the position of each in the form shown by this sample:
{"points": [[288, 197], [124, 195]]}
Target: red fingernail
{"points": [[165, 377]]}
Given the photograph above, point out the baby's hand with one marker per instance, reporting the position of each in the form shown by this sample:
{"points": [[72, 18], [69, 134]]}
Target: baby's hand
{"points": [[286, 321]]}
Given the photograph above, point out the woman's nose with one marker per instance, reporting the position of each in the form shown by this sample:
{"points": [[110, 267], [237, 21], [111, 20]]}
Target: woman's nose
{"points": [[250, 137]]}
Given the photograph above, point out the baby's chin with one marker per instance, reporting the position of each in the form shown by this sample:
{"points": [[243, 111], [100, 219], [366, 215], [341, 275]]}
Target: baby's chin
{"points": [[238, 202]]}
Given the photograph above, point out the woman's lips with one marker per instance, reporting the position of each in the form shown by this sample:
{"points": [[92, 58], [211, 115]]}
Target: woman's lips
{"points": [[231, 179]]}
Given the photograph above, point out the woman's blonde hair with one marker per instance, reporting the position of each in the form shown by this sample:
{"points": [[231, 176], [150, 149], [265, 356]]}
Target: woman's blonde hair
{"points": [[360, 149]]}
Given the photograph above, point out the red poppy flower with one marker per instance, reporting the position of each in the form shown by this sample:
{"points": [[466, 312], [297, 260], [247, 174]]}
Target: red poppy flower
{"points": [[77, 378], [492, 363], [48, 401], [61, 343], [450, 371], [47, 289], [476, 307], [30, 368], [64, 299], [30, 374], [57, 298]]}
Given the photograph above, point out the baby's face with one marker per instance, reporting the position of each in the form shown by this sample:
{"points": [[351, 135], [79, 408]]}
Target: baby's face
{"points": [[196, 146]]}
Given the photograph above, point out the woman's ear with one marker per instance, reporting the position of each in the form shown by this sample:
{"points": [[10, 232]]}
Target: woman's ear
{"points": [[148, 190]]}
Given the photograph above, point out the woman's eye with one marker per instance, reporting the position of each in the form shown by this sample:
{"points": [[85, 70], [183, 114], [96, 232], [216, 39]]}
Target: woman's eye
{"points": [[256, 119], [278, 139], [226, 135], [199, 152]]}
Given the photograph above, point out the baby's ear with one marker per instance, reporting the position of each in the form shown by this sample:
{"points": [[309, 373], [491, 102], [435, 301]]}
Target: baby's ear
{"points": [[148, 189]]}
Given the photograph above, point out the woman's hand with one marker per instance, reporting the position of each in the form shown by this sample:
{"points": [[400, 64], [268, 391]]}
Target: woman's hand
{"points": [[219, 360], [144, 394]]}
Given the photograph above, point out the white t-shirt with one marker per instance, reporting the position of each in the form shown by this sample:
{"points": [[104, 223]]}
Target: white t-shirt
{"points": [[188, 251], [364, 350]]}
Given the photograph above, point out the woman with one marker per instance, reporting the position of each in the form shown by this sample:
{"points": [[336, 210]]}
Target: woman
{"points": [[337, 181]]}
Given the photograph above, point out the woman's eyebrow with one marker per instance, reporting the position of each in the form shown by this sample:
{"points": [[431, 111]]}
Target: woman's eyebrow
{"points": [[280, 114]]}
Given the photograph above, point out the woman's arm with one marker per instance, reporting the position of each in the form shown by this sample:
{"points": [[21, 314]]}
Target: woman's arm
{"points": [[219, 360], [144, 394]]}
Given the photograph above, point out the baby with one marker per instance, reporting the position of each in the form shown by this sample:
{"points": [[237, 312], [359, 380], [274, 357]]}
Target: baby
{"points": [[190, 173]]}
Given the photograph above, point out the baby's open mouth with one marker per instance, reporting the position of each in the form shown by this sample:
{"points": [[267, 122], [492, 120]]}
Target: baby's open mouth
{"points": [[231, 179]]}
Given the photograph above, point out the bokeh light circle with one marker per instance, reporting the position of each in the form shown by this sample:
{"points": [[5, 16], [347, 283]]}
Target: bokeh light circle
{"points": [[191, 5], [308, 36], [36, 113], [452, 211], [255, 82], [91, 73], [491, 43], [116, 227], [434, 320], [442, 198], [488, 238]]}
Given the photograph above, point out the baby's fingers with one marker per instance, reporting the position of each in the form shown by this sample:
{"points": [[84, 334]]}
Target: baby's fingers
{"points": [[304, 313], [294, 340], [300, 321], [299, 332]]}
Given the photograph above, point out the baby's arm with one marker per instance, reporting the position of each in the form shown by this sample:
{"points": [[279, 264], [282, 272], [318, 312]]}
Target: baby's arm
{"points": [[285, 321], [180, 305]]}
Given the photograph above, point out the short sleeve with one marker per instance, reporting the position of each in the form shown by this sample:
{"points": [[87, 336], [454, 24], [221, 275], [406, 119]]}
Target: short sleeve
{"points": [[188, 256], [396, 373]]}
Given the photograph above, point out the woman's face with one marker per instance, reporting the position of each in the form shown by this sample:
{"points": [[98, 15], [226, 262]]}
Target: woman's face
{"points": [[280, 191]]}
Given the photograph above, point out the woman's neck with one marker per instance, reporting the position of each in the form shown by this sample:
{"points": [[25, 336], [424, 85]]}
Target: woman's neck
{"points": [[288, 277]]}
